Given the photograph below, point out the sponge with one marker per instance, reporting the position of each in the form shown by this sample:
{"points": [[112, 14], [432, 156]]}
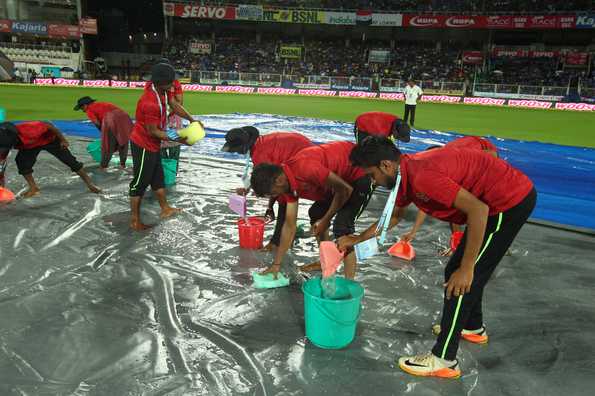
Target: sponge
{"points": [[268, 281]]}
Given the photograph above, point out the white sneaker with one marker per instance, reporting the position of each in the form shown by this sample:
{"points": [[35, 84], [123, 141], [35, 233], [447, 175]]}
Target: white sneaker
{"points": [[429, 365]]}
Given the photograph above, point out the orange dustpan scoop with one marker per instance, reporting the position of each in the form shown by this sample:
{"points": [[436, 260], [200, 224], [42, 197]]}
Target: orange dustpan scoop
{"points": [[402, 250], [330, 258], [6, 195]]}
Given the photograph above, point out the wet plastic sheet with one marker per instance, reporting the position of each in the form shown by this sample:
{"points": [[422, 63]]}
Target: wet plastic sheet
{"points": [[89, 308], [563, 175]]}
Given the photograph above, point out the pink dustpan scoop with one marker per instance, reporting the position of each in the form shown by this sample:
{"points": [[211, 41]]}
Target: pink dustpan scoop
{"points": [[237, 203], [330, 258], [402, 250]]}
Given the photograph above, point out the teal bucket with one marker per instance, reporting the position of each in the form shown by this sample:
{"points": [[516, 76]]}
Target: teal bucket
{"points": [[331, 324], [94, 149], [170, 170]]}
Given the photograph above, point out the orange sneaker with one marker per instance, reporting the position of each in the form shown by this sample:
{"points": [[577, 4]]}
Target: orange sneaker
{"points": [[429, 365], [474, 336]]}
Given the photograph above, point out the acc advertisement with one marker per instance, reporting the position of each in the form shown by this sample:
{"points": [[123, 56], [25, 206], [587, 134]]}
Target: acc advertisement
{"points": [[69, 31]]}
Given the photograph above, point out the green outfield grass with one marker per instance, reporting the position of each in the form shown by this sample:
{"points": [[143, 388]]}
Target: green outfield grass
{"points": [[561, 127]]}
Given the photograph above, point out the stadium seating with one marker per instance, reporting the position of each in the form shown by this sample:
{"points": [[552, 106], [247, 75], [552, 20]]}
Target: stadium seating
{"points": [[59, 56], [459, 6], [325, 58]]}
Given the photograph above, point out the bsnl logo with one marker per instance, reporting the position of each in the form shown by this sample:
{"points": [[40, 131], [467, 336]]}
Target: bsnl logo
{"points": [[292, 16]]}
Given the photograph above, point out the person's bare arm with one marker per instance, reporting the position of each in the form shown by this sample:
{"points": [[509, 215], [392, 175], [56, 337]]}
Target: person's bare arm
{"points": [[348, 241], [287, 236], [155, 131], [419, 220], [477, 213], [341, 193], [178, 109]]}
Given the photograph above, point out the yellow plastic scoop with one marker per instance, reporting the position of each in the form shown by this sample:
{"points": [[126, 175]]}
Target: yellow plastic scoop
{"points": [[193, 133]]}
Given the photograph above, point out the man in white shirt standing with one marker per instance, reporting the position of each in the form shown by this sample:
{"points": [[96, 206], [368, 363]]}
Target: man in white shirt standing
{"points": [[412, 94]]}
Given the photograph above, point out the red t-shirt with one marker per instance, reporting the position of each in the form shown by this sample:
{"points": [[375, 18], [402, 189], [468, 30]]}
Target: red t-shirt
{"points": [[176, 89], [432, 179], [472, 142], [308, 170], [151, 109], [97, 110], [278, 147], [376, 123], [34, 134]]}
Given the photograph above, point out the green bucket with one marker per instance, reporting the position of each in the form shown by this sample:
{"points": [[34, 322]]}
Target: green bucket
{"points": [[94, 148], [170, 170], [331, 324]]}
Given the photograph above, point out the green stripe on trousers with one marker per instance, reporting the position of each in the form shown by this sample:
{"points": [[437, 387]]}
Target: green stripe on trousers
{"points": [[140, 172], [460, 300]]}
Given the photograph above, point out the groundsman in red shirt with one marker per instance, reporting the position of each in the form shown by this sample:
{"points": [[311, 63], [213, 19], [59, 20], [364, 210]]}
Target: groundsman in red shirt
{"points": [[115, 126], [465, 142], [464, 187], [30, 138], [273, 148], [145, 141], [322, 174]]}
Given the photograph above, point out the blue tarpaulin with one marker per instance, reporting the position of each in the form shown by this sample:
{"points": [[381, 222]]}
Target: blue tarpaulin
{"points": [[563, 175]]}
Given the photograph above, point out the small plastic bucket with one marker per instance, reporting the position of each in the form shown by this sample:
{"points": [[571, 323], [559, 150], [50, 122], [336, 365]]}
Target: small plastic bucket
{"points": [[94, 148], [170, 170], [331, 324], [251, 232]]}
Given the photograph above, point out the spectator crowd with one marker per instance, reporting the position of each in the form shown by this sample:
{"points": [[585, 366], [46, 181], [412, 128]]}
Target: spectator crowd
{"points": [[321, 58], [334, 58], [459, 6]]}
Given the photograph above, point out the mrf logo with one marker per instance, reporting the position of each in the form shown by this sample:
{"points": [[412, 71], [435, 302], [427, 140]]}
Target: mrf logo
{"points": [[460, 21], [585, 21], [424, 21]]}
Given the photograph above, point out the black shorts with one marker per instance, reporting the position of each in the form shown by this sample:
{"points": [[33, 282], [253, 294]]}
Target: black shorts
{"points": [[147, 170], [26, 158], [344, 222]]}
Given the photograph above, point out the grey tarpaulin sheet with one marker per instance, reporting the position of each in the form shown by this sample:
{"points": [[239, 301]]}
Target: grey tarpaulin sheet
{"points": [[89, 308]]}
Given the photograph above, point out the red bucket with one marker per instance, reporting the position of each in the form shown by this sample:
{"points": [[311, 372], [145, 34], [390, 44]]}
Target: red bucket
{"points": [[251, 232]]}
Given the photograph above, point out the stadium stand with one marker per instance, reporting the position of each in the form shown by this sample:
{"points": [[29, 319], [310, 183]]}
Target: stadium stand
{"points": [[459, 6]]}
